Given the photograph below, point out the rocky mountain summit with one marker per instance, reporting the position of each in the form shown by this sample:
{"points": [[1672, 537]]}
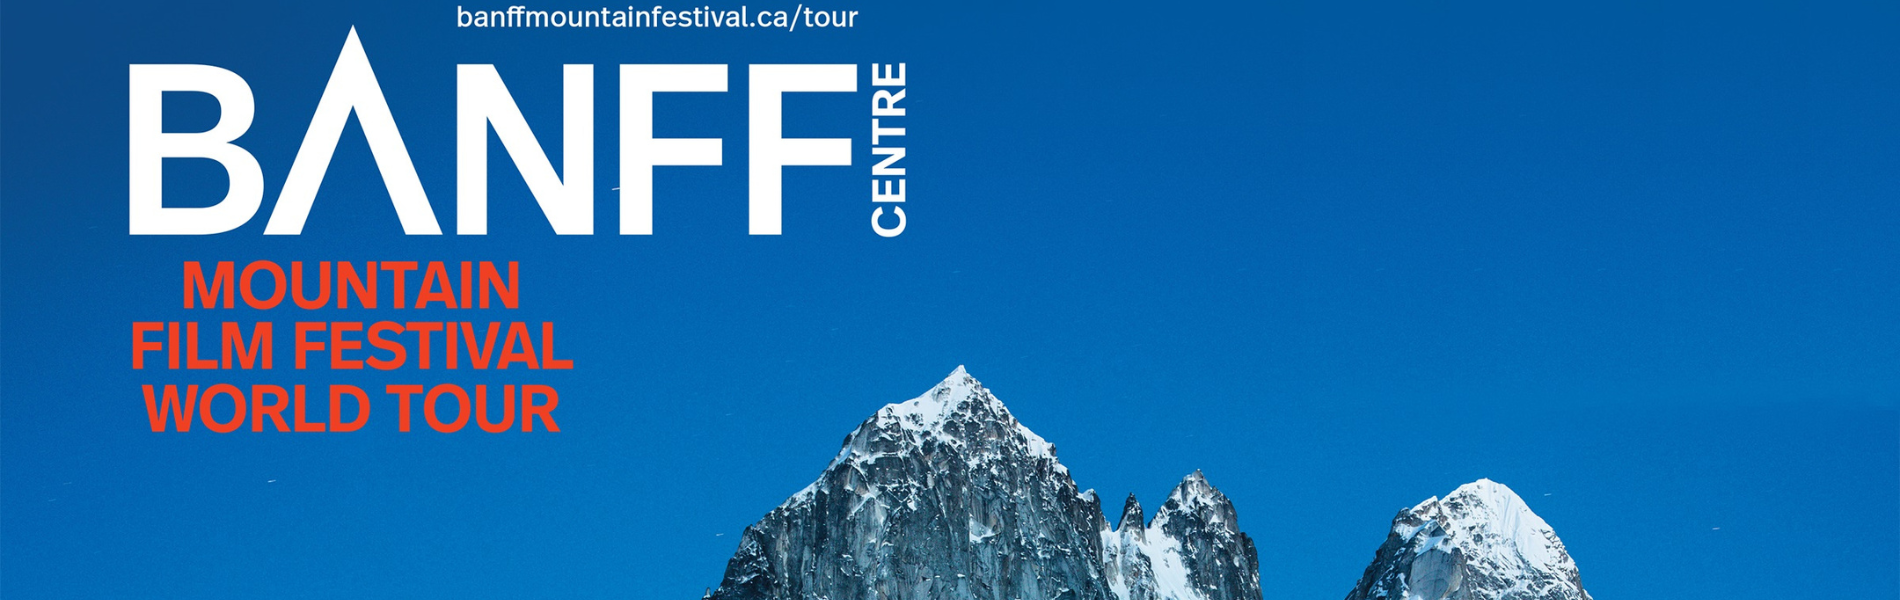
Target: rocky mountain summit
{"points": [[948, 496], [1478, 543]]}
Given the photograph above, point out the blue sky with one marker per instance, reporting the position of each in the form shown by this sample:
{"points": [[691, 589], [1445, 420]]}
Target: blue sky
{"points": [[1636, 262]]}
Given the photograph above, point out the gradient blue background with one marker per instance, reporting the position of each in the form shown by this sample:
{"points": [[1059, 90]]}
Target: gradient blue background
{"points": [[1637, 262]]}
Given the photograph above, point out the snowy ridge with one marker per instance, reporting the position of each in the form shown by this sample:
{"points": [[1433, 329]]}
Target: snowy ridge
{"points": [[1481, 542]]}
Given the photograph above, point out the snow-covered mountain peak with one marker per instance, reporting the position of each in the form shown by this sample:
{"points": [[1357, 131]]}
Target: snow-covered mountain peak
{"points": [[1494, 519], [958, 392], [958, 410], [1480, 542]]}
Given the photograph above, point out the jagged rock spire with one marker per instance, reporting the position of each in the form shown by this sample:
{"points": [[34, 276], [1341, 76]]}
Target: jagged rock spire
{"points": [[1132, 517]]}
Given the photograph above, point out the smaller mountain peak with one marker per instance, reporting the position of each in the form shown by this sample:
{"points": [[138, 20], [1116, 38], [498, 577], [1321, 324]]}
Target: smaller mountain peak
{"points": [[1194, 486], [1132, 516], [1481, 534], [1492, 507], [1196, 499]]}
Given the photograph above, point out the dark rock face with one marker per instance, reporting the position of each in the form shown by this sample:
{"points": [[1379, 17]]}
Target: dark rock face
{"points": [[1479, 543], [948, 497]]}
